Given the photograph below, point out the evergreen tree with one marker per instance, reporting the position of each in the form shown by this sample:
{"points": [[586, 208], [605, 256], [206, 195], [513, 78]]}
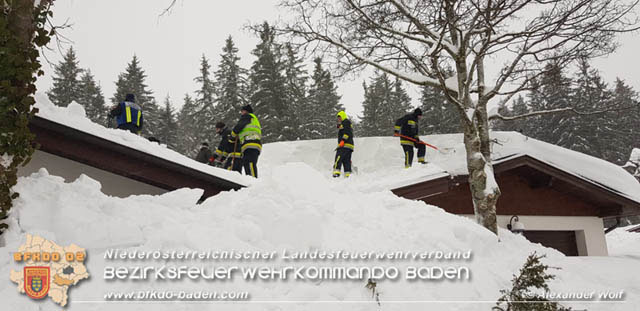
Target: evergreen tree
{"points": [[519, 107], [551, 91], [626, 126], [206, 111], [438, 117], [383, 104], [529, 288], [66, 85], [318, 116], [268, 97], [591, 133], [295, 92], [401, 102], [168, 127], [374, 113], [187, 128], [231, 83], [91, 97], [133, 81]]}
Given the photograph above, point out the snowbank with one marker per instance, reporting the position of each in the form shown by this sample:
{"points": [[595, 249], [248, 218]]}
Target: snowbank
{"points": [[293, 207], [74, 116], [624, 243]]}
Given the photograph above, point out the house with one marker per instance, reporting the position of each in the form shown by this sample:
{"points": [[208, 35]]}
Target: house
{"points": [[124, 164], [562, 197]]}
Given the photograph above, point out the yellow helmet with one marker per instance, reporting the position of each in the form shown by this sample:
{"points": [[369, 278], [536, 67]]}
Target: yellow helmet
{"points": [[342, 115]]}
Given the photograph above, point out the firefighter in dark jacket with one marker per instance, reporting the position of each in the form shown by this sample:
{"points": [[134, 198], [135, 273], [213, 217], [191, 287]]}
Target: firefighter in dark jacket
{"points": [[204, 155], [128, 114], [248, 134], [408, 126], [225, 149], [345, 146]]}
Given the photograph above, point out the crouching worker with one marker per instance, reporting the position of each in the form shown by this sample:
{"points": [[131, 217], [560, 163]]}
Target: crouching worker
{"points": [[345, 146], [225, 149], [204, 155], [128, 114]]}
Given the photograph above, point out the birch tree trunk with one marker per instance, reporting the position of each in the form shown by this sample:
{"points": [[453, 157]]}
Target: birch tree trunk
{"points": [[484, 189]]}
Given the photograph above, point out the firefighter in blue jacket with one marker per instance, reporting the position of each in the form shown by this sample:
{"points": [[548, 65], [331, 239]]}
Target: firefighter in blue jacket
{"points": [[128, 115], [345, 146], [407, 126], [248, 135]]}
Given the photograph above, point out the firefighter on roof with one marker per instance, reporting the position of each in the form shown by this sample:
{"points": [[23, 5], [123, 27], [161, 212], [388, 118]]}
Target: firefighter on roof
{"points": [[345, 146], [407, 128], [248, 134], [128, 114]]}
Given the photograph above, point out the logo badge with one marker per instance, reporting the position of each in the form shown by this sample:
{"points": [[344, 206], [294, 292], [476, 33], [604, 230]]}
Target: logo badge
{"points": [[36, 281]]}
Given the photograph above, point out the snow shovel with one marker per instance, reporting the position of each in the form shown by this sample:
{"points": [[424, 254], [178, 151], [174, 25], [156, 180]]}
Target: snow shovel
{"points": [[233, 158], [443, 150], [416, 141]]}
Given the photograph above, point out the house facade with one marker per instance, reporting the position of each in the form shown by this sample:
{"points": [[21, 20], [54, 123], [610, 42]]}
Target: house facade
{"points": [[558, 209]]}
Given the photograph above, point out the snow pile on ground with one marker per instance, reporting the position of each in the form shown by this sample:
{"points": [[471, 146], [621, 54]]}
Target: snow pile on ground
{"points": [[74, 116], [623, 243], [294, 207]]}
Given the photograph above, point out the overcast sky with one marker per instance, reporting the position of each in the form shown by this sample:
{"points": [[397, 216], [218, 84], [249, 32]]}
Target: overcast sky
{"points": [[106, 34]]}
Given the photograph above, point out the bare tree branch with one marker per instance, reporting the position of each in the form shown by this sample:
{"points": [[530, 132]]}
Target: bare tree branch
{"points": [[559, 110]]}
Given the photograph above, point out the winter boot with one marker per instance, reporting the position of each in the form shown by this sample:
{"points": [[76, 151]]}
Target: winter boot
{"points": [[336, 174]]}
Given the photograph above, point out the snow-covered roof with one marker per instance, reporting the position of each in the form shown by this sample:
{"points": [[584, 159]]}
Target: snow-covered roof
{"points": [[383, 156], [74, 116], [509, 145]]}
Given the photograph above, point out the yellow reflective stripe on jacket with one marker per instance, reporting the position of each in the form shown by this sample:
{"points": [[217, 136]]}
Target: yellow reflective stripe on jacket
{"points": [[251, 146], [252, 131], [349, 146], [235, 154], [139, 115], [345, 136], [128, 113], [397, 127], [406, 142], [411, 122]]}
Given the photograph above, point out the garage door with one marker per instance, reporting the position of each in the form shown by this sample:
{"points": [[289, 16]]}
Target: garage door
{"points": [[564, 241]]}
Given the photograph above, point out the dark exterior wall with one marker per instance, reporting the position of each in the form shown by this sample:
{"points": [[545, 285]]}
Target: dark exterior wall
{"points": [[519, 197]]}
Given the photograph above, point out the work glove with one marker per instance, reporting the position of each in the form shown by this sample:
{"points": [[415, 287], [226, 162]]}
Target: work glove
{"points": [[341, 144]]}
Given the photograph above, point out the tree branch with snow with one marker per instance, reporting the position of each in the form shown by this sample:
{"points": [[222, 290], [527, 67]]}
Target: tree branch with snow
{"points": [[420, 40]]}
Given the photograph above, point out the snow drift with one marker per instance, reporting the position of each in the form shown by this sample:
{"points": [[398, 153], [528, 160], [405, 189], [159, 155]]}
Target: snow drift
{"points": [[296, 206]]}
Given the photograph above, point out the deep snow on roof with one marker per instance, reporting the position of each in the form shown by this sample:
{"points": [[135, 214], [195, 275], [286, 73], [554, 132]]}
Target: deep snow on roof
{"points": [[381, 158], [74, 116]]}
